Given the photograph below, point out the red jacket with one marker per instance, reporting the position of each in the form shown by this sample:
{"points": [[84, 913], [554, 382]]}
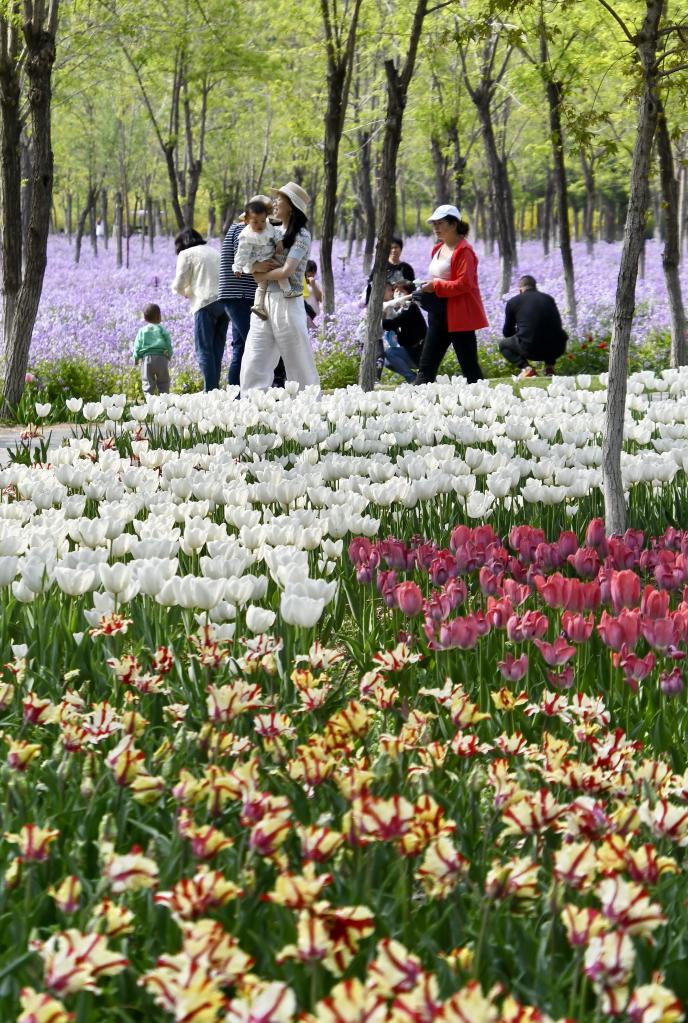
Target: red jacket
{"points": [[464, 305]]}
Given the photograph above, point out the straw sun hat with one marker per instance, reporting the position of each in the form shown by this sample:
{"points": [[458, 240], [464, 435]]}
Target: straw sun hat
{"points": [[297, 196]]}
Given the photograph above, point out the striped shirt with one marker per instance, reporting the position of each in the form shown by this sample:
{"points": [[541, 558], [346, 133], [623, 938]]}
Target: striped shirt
{"points": [[232, 287]]}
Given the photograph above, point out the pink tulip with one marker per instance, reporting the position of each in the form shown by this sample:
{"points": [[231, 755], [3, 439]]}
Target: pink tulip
{"points": [[442, 567], [531, 625], [624, 589], [660, 633], [555, 590], [567, 543], [585, 562], [654, 603], [409, 598], [671, 682], [595, 536], [557, 653], [621, 631], [577, 628], [516, 592], [499, 612], [513, 668]]}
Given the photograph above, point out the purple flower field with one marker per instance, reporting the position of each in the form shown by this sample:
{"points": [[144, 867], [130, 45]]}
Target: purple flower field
{"points": [[93, 310]]}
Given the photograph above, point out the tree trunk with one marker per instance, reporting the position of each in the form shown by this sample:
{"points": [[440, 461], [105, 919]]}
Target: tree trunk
{"points": [[117, 229], [151, 223], [26, 187], [499, 194], [365, 187], [69, 217], [440, 170], [39, 37], [683, 208], [646, 46], [554, 93], [81, 223], [397, 91], [402, 209], [10, 178], [212, 220], [458, 166], [340, 46], [92, 227], [671, 256], [104, 216], [589, 209], [547, 213]]}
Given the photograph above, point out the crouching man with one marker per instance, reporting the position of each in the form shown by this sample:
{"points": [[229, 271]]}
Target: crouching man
{"points": [[532, 330]]}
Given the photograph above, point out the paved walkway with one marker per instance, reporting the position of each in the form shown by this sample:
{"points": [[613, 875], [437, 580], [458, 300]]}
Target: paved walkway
{"points": [[10, 437]]}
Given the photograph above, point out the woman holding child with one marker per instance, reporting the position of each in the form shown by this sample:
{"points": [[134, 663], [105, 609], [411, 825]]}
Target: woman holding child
{"points": [[284, 332]]}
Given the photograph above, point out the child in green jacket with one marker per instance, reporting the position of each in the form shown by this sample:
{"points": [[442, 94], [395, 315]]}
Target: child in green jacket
{"points": [[153, 347]]}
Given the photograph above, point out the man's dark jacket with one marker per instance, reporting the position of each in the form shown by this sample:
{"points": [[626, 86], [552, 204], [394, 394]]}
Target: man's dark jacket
{"points": [[534, 318]]}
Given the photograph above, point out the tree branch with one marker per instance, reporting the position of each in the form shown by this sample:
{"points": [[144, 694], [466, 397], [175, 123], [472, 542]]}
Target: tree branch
{"points": [[608, 7]]}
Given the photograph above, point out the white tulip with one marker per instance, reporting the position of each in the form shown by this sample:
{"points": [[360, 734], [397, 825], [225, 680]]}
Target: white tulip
{"points": [[259, 619], [74, 404], [115, 578], [74, 581], [43, 410], [298, 610], [8, 569], [22, 593]]}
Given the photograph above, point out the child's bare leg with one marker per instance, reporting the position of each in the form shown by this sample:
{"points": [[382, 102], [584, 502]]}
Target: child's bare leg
{"points": [[258, 306], [287, 289]]}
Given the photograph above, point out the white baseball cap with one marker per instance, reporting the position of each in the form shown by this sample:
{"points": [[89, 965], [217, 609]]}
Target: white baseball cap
{"points": [[445, 211]]}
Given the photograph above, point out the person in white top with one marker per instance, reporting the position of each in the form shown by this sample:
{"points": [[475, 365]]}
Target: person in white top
{"points": [[284, 333], [197, 278]]}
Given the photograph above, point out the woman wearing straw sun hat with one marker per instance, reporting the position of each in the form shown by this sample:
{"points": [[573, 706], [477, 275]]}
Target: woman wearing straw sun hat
{"points": [[285, 332], [452, 299]]}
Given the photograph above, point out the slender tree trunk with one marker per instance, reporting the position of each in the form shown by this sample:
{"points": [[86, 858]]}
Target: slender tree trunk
{"points": [[402, 209], [547, 214], [646, 46], [69, 217], [212, 220], [117, 229], [671, 256], [92, 227], [397, 91], [151, 223], [340, 42], [500, 192], [40, 57], [458, 165], [589, 209], [27, 183], [10, 176], [104, 216], [365, 187], [683, 208], [554, 93], [81, 223], [440, 170]]}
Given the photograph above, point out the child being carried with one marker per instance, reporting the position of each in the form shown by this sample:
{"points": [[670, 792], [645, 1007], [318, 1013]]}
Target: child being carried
{"points": [[260, 240]]}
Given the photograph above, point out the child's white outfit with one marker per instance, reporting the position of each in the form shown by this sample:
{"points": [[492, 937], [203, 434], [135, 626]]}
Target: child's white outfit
{"points": [[254, 247]]}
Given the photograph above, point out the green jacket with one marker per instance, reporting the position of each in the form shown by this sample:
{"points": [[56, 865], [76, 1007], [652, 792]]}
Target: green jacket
{"points": [[152, 339]]}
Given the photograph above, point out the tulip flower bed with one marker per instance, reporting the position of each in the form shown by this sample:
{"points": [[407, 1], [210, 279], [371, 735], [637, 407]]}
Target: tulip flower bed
{"points": [[345, 708]]}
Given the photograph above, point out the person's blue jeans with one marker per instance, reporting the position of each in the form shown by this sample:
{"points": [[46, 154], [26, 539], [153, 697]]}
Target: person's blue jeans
{"points": [[398, 359], [210, 336], [239, 312]]}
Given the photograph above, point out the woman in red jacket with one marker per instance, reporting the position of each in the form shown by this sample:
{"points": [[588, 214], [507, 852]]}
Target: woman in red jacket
{"points": [[455, 308]]}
